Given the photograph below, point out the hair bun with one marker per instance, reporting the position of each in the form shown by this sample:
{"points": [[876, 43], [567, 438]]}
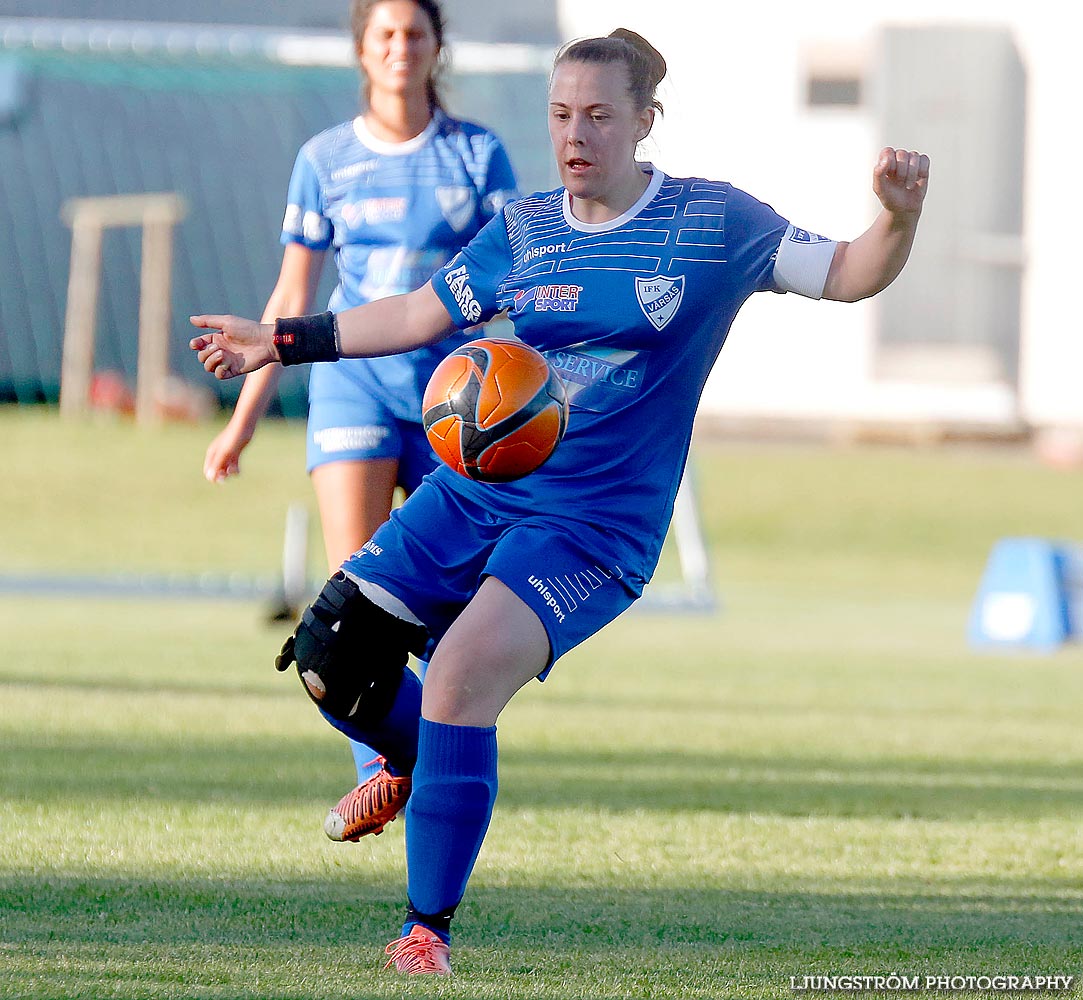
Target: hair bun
{"points": [[654, 59]]}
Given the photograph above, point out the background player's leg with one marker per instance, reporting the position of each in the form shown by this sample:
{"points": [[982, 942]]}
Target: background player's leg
{"points": [[495, 647], [354, 499]]}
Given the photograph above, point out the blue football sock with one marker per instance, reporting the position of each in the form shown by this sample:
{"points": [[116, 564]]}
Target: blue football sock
{"points": [[365, 760], [394, 738], [454, 788]]}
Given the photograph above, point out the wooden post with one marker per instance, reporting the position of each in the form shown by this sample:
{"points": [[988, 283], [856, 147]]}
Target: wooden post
{"points": [[156, 215], [154, 315], [80, 319]]}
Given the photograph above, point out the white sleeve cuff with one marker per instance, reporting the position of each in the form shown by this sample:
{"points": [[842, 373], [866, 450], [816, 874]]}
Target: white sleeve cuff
{"points": [[802, 262]]}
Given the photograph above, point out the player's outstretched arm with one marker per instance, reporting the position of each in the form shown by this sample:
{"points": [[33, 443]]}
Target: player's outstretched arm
{"points": [[232, 345], [235, 346], [871, 262], [394, 325]]}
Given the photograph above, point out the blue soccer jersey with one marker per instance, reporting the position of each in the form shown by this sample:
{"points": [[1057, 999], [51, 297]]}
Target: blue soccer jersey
{"points": [[632, 313], [393, 213]]}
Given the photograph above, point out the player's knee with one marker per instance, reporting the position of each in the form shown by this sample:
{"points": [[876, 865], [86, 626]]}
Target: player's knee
{"points": [[350, 653], [461, 694]]}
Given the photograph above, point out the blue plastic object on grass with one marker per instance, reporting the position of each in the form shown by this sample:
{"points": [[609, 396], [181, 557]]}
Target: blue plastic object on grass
{"points": [[1030, 596]]}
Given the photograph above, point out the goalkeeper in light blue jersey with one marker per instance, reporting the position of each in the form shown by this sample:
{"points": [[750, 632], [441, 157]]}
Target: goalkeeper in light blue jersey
{"points": [[628, 280], [393, 194]]}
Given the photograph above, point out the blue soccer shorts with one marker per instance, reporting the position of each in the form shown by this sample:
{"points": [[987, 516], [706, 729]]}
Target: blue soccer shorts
{"points": [[348, 423], [439, 546]]}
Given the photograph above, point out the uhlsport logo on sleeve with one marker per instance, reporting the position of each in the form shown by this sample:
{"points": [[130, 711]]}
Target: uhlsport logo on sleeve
{"points": [[660, 298]]}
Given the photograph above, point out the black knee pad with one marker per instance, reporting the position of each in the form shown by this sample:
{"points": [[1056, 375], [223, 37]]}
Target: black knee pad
{"points": [[350, 653]]}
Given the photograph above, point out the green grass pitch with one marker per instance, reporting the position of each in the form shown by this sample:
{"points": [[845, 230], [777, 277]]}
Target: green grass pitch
{"points": [[819, 779]]}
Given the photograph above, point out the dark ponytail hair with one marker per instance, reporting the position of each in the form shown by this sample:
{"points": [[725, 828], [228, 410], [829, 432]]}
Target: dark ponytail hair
{"points": [[361, 11], [646, 67]]}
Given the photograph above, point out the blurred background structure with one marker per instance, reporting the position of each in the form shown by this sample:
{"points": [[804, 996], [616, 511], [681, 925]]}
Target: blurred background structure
{"points": [[788, 101], [214, 111], [792, 102]]}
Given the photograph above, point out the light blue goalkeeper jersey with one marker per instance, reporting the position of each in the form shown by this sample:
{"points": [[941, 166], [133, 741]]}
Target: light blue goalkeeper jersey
{"points": [[393, 214], [632, 313]]}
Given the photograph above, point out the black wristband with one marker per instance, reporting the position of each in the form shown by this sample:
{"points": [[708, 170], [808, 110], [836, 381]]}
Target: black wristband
{"points": [[301, 339]]}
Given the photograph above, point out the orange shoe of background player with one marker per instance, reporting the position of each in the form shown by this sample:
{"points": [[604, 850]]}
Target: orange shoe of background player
{"points": [[369, 807]]}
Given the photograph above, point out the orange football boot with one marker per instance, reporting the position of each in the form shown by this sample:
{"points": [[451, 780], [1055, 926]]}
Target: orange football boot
{"points": [[369, 807]]}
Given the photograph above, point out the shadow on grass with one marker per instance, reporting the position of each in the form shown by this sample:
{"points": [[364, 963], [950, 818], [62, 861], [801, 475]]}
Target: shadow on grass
{"points": [[301, 771], [133, 939], [956, 913], [151, 685]]}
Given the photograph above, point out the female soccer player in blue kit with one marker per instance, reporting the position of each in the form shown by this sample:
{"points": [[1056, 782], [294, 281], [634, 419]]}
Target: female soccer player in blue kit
{"points": [[628, 280], [397, 192]]}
